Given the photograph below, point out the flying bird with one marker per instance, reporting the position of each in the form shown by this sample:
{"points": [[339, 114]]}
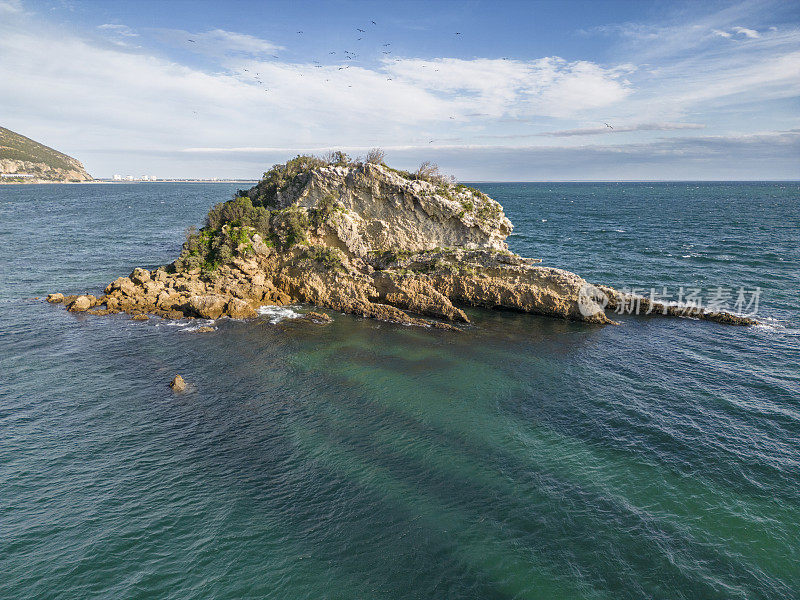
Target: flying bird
{"points": [[374, 23], [361, 30], [193, 41], [458, 33], [609, 126], [299, 32]]}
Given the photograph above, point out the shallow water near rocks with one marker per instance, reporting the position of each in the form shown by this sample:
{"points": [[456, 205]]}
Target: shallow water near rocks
{"points": [[525, 457]]}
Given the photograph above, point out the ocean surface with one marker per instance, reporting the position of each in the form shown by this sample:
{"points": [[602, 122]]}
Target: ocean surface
{"points": [[526, 457]]}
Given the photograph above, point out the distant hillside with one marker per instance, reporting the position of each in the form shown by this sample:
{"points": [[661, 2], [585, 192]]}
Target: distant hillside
{"points": [[24, 160]]}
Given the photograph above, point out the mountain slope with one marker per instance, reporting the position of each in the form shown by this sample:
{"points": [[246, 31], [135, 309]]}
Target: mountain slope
{"points": [[24, 156]]}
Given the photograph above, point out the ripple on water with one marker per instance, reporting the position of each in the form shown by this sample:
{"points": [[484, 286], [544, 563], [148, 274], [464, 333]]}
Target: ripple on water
{"points": [[523, 457]]}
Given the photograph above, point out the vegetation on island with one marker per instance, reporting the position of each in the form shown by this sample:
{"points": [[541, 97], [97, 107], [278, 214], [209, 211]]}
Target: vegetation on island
{"points": [[230, 226]]}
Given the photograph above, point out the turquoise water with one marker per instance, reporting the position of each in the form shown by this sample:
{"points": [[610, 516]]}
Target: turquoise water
{"points": [[524, 458]]}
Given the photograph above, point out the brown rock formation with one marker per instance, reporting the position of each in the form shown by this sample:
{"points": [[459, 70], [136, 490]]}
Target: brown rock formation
{"points": [[178, 384], [361, 239]]}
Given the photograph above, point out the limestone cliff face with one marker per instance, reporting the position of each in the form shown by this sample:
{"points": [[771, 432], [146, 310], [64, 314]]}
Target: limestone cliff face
{"points": [[358, 238], [381, 210], [41, 172]]}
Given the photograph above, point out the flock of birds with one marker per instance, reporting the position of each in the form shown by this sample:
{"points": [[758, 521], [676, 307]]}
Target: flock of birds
{"points": [[349, 55]]}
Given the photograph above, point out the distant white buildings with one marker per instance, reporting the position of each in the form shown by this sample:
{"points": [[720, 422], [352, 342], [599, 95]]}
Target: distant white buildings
{"points": [[132, 178]]}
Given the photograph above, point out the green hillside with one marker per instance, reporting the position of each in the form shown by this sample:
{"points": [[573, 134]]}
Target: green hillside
{"points": [[50, 163]]}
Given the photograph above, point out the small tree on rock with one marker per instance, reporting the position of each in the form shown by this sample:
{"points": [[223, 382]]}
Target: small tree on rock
{"points": [[375, 156]]}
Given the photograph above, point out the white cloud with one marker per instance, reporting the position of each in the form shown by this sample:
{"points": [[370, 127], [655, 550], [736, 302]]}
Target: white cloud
{"points": [[122, 30], [104, 102], [548, 86], [10, 6], [219, 42], [765, 155], [118, 97], [623, 128], [751, 33], [748, 33]]}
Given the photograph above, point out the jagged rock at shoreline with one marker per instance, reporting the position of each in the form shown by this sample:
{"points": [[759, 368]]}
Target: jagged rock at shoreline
{"points": [[362, 239], [35, 162]]}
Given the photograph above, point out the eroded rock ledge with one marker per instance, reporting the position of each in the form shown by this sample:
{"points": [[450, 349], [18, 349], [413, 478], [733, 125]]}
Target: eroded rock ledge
{"points": [[362, 239]]}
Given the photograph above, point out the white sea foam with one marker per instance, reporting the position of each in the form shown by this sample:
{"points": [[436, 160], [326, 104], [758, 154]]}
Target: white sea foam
{"points": [[198, 323], [776, 325], [276, 314], [186, 324]]}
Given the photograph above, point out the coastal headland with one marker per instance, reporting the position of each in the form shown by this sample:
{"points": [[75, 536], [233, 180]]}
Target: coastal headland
{"points": [[23, 160]]}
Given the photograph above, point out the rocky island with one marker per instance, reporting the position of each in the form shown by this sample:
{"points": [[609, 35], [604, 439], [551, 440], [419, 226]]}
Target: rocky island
{"points": [[23, 160], [365, 239]]}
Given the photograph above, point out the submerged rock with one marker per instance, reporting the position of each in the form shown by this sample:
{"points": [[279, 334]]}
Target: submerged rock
{"points": [[318, 318], [56, 298], [363, 239]]}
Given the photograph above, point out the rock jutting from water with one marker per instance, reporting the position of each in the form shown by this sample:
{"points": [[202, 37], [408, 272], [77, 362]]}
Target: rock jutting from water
{"points": [[364, 239], [178, 384]]}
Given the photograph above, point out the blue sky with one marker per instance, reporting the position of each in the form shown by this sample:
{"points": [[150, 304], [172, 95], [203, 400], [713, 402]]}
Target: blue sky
{"points": [[518, 91]]}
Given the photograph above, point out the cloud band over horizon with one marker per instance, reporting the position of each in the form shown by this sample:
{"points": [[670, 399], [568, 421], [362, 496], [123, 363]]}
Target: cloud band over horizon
{"points": [[123, 90]]}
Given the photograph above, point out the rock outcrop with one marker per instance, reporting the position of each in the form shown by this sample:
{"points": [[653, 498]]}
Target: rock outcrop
{"points": [[178, 384], [362, 239]]}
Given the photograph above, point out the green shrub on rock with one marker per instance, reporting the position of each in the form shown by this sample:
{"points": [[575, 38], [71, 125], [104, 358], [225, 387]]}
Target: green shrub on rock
{"points": [[208, 249], [239, 212], [331, 258], [289, 226]]}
